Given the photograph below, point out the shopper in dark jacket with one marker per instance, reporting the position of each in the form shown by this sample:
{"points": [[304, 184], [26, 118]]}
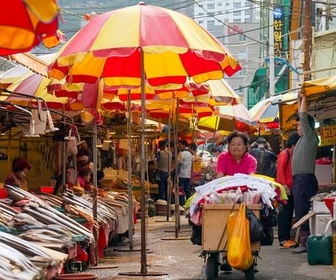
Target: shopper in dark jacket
{"points": [[265, 157]]}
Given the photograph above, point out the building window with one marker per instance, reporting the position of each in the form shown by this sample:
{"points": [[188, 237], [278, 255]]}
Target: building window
{"points": [[236, 5], [242, 38], [247, 12], [210, 6], [237, 13], [210, 22], [219, 4], [247, 4], [236, 20], [211, 29], [200, 22]]}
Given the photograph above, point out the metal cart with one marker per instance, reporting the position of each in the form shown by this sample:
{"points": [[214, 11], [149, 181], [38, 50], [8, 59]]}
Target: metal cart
{"points": [[214, 237]]}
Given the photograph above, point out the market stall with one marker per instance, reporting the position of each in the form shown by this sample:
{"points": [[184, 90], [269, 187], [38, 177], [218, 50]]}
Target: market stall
{"points": [[64, 224], [212, 211]]}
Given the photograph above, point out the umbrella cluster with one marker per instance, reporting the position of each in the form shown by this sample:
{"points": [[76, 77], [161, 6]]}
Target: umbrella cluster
{"points": [[37, 22], [141, 52]]}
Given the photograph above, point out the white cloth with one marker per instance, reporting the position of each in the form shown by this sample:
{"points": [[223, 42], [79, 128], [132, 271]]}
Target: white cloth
{"points": [[238, 180]]}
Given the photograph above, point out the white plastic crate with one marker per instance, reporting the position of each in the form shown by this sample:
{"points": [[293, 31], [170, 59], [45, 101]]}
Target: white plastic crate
{"points": [[320, 207], [318, 223]]}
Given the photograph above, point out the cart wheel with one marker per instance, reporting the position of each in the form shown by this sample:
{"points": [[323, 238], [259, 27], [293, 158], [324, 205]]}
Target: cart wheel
{"points": [[212, 267], [249, 273]]}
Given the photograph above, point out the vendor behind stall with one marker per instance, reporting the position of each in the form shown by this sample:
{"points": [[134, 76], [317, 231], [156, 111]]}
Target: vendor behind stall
{"points": [[17, 178], [236, 159]]}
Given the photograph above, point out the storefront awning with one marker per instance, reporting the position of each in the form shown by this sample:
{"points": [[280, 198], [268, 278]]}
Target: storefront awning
{"points": [[321, 96]]}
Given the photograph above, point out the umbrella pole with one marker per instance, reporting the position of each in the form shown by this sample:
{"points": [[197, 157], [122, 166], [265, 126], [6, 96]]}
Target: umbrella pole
{"points": [[129, 173], [177, 204], [94, 195], [143, 262], [169, 172], [64, 154], [143, 168]]}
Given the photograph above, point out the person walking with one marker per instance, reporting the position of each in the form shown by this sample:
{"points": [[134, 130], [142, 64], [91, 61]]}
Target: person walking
{"points": [[285, 178], [266, 158], [196, 170], [163, 159], [305, 184], [184, 160]]}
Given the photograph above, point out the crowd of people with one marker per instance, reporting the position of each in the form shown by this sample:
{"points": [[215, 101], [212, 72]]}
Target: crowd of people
{"points": [[293, 168]]}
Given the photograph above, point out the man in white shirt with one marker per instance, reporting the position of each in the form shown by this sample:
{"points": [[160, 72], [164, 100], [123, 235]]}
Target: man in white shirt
{"points": [[184, 160]]}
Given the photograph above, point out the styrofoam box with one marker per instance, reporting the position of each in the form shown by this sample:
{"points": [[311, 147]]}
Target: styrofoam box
{"points": [[320, 207], [323, 173], [318, 223]]}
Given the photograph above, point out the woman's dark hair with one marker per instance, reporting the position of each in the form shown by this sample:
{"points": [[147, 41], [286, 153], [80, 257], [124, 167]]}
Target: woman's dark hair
{"points": [[240, 134], [193, 146], [293, 138]]}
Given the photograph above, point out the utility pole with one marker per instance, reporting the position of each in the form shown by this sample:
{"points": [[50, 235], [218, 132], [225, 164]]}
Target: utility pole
{"points": [[271, 88], [307, 40]]}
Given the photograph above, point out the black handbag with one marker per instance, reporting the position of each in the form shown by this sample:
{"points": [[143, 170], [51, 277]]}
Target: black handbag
{"points": [[256, 228]]}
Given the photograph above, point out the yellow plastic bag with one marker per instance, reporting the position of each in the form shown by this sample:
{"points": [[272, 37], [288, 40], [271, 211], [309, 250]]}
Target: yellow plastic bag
{"points": [[239, 254]]}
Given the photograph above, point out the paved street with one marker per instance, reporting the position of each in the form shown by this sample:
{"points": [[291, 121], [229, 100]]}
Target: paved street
{"points": [[178, 258]]}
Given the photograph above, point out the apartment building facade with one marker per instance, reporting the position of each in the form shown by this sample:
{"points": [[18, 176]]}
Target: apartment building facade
{"points": [[237, 25]]}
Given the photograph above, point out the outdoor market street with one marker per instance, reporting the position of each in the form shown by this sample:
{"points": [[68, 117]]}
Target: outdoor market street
{"points": [[179, 259]]}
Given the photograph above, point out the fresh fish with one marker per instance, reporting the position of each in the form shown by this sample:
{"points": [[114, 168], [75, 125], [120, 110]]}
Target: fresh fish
{"points": [[15, 265], [47, 235], [56, 217], [22, 245], [27, 219]]}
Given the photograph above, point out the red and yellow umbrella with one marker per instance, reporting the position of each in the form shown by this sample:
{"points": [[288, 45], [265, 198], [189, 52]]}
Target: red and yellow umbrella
{"points": [[25, 23], [85, 98], [140, 45], [122, 45]]}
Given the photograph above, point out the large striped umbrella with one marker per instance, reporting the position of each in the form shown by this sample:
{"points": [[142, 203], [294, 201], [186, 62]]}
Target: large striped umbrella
{"points": [[26, 23], [138, 45], [122, 45]]}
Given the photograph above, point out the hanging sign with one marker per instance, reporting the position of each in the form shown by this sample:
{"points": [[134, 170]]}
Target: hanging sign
{"points": [[328, 135], [278, 31]]}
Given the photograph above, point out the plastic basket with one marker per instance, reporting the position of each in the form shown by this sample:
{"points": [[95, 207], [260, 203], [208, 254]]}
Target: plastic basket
{"points": [[47, 189], [3, 193]]}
